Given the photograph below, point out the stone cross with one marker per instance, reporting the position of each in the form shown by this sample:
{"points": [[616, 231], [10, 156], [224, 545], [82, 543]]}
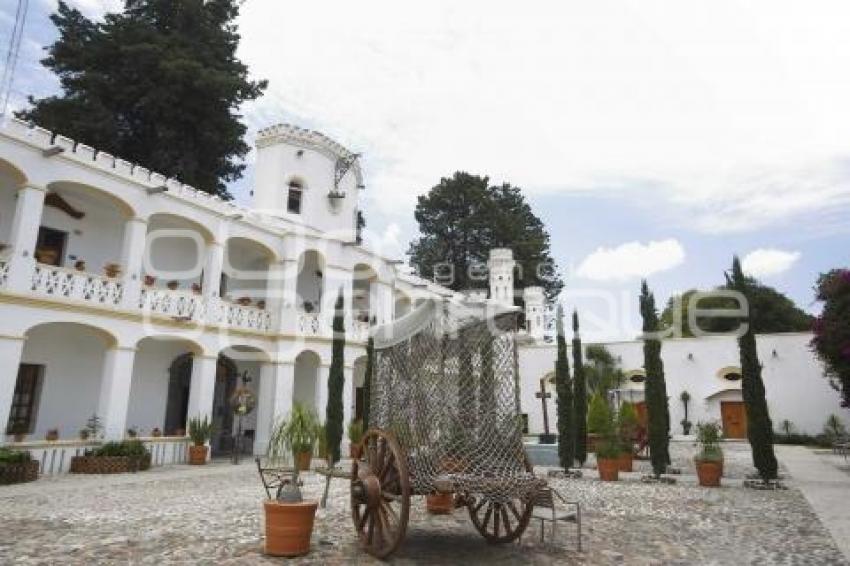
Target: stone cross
{"points": [[543, 395]]}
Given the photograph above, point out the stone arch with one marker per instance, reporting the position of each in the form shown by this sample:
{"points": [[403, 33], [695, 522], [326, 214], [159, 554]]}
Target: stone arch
{"points": [[109, 339], [65, 188], [310, 286], [14, 173]]}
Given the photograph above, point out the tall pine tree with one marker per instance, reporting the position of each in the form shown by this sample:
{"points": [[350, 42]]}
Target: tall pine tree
{"points": [[336, 383], [158, 83], [579, 395], [564, 392], [655, 389], [367, 381], [759, 426]]}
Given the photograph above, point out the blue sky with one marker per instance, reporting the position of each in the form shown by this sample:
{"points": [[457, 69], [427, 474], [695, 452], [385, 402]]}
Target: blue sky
{"points": [[654, 139]]}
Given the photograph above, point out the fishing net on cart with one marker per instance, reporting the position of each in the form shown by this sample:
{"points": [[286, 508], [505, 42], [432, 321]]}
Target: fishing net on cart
{"points": [[446, 384]]}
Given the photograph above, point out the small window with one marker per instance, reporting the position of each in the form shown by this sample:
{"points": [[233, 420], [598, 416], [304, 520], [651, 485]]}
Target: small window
{"points": [[25, 399], [732, 376], [293, 200], [637, 378]]}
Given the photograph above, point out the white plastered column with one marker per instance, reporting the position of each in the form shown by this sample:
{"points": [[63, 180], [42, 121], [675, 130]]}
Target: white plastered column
{"points": [[202, 386], [283, 282], [115, 391], [274, 402], [132, 255], [213, 265], [24, 234], [383, 306], [11, 348]]}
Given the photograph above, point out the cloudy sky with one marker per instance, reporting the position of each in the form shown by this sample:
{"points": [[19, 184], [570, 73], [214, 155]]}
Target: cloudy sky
{"points": [[655, 139]]}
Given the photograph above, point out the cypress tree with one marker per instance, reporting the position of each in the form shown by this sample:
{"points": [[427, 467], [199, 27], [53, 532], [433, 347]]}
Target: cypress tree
{"points": [[564, 391], [759, 426], [579, 396], [336, 383], [367, 381], [655, 390]]}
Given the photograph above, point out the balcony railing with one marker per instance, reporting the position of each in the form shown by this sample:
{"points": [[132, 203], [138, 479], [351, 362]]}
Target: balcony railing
{"points": [[77, 285], [176, 304], [4, 272], [360, 330], [309, 323]]}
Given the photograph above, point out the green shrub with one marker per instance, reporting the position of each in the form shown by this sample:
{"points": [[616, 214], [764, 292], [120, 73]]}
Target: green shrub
{"points": [[9, 456], [296, 434], [598, 416], [129, 448], [200, 431]]}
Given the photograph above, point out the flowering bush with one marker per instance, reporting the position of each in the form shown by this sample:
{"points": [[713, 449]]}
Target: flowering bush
{"points": [[832, 329]]}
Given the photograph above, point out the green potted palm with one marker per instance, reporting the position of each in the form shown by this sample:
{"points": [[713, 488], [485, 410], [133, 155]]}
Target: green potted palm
{"points": [[355, 435], [709, 458], [598, 417], [627, 424], [289, 519], [609, 446], [200, 431]]}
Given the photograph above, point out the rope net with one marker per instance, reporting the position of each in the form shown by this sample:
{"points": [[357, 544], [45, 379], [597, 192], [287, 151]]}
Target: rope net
{"points": [[446, 385]]}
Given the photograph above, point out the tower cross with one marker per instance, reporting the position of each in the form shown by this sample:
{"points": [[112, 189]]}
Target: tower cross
{"points": [[543, 395]]}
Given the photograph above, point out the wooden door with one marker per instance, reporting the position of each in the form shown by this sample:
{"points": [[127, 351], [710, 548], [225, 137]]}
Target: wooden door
{"points": [[734, 417]]}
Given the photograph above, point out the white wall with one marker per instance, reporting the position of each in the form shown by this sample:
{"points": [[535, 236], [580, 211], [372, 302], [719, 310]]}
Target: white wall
{"points": [[795, 387], [73, 360], [149, 387]]}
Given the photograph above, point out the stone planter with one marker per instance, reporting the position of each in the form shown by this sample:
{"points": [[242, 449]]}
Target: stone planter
{"points": [[18, 473], [609, 469], [709, 472], [289, 527], [109, 464]]}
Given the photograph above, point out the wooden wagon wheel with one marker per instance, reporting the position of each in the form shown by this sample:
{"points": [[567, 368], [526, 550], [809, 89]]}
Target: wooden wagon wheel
{"points": [[501, 521], [380, 493]]}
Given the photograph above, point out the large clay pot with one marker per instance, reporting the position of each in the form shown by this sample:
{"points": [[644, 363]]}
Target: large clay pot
{"points": [[302, 460], [289, 527], [198, 455], [440, 503], [624, 461], [709, 472], [609, 469]]}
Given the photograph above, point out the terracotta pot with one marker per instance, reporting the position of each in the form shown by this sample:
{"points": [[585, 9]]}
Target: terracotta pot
{"points": [[52, 435], [198, 455], [440, 503], [302, 461], [149, 280], [609, 469], [709, 473], [289, 527], [625, 461]]}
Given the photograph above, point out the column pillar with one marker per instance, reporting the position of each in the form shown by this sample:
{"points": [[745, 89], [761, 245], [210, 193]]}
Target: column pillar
{"points": [[11, 348], [202, 386], [284, 280], [115, 391], [28, 209], [274, 400], [213, 265], [132, 255], [383, 307]]}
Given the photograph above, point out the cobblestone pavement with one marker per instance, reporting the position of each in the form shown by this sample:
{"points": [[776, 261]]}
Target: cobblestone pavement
{"points": [[213, 515]]}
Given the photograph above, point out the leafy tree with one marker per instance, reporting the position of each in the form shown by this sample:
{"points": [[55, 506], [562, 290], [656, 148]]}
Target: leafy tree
{"points": [[655, 388], [158, 83], [579, 395], [367, 381], [832, 329], [602, 373], [564, 391], [463, 217], [759, 426], [772, 312]]}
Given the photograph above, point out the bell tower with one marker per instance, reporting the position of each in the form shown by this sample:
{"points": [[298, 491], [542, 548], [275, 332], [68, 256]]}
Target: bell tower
{"points": [[501, 265], [307, 178]]}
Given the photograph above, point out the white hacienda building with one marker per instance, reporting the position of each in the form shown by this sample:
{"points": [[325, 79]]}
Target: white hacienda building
{"points": [[144, 301]]}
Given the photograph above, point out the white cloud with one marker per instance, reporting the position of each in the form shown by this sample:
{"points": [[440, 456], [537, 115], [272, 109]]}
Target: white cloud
{"points": [[631, 260], [735, 113], [767, 262]]}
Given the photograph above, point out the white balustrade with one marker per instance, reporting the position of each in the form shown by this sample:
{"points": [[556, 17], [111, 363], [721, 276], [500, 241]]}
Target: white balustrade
{"points": [[246, 316], [167, 450], [360, 331], [309, 323], [4, 272], [176, 304], [78, 285]]}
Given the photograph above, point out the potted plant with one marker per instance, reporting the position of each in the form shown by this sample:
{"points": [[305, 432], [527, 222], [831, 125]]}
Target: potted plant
{"points": [[598, 418], [150, 280], [80, 265], [112, 270], [308, 307], [685, 397], [17, 466], [627, 424], [84, 434], [132, 432], [288, 518], [261, 304], [244, 301], [709, 458], [155, 432], [173, 284], [300, 435], [52, 435], [92, 428], [196, 288], [200, 431], [355, 435], [113, 458]]}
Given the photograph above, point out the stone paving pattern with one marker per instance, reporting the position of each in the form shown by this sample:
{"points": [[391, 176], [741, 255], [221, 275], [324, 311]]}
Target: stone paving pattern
{"points": [[181, 515]]}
